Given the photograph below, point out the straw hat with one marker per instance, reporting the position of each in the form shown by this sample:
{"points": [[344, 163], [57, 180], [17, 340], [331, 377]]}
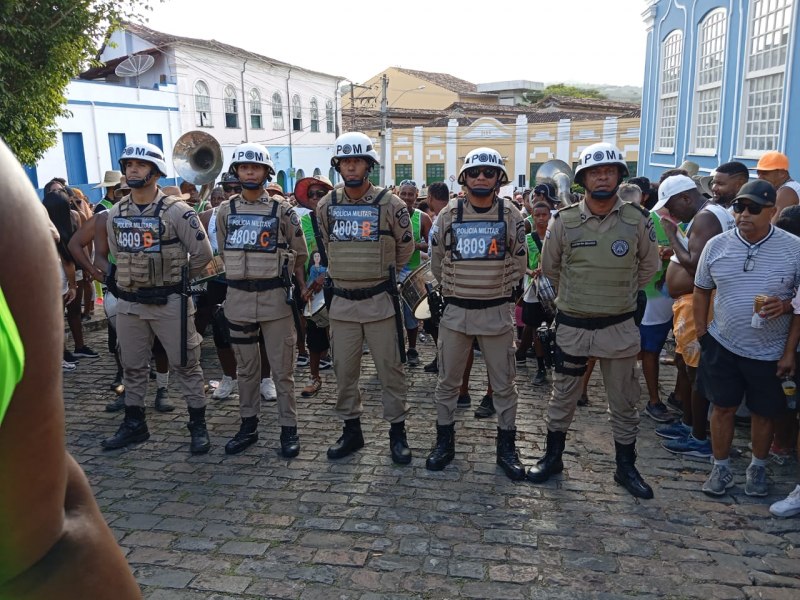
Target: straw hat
{"points": [[301, 188], [110, 179]]}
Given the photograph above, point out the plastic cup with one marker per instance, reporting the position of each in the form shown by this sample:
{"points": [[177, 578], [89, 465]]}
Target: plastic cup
{"points": [[789, 386]]}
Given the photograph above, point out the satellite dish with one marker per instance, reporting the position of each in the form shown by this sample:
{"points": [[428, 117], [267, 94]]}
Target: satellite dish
{"points": [[133, 66]]}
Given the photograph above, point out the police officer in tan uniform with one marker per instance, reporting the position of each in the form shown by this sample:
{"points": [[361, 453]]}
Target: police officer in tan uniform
{"points": [[150, 235], [262, 244], [367, 232], [598, 253], [478, 255]]}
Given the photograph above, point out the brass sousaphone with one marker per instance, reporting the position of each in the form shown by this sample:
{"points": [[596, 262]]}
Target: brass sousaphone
{"points": [[197, 157], [559, 174]]}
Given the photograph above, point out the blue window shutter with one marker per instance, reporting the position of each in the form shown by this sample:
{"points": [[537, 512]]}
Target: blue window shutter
{"points": [[155, 139], [116, 144], [32, 175], [75, 158]]}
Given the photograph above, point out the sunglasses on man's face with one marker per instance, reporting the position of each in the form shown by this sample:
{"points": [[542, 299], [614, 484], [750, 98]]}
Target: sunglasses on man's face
{"points": [[753, 209], [232, 188], [488, 172], [316, 194]]}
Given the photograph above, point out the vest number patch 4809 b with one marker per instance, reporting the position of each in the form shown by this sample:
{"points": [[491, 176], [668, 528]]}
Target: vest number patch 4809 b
{"points": [[479, 240], [252, 233], [351, 223], [138, 234]]}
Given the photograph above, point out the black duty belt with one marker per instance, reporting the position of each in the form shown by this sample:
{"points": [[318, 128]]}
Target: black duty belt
{"points": [[592, 322], [151, 295], [363, 293], [256, 285], [472, 304]]}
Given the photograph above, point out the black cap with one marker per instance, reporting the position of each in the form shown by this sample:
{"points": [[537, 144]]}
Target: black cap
{"points": [[547, 190], [758, 191]]}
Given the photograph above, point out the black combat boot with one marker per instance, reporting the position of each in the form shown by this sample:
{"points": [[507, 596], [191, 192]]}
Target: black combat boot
{"points": [[200, 443], [162, 401], [398, 443], [290, 442], [485, 408], [444, 451], [627, 475], [351, 440], [132, 430], [551, 463], [117, 404], [247, 436], [507, 455]]}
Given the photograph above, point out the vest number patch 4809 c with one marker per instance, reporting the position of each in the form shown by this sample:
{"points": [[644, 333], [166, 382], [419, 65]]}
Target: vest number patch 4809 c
{"points": [[252, 233], [138, 234]]}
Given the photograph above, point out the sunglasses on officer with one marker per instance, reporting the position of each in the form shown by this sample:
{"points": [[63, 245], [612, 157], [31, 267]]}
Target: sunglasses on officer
{"points": [[316, 194], [754, 209], [232, 188], [488, 172]]}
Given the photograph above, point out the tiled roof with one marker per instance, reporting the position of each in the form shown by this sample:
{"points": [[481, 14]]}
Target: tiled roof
{"points": [[587, 103], [448, 82]]}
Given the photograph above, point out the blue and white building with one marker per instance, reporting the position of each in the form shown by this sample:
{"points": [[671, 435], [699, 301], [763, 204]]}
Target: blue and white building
{"points": [[718, 83]]}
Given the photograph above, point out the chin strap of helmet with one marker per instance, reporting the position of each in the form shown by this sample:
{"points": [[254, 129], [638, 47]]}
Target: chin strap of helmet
{"points": [[251, 186], [601, 195], [139, 183], [481, 192]]}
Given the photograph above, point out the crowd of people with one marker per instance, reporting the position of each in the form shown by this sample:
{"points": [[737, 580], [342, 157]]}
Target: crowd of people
{"points": [[608, 273]]}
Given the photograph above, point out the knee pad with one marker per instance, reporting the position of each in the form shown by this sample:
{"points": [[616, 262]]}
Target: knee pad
{"points": [[566, 364]]}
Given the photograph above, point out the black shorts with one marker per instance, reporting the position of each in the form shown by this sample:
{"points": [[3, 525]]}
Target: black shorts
{"points": [[533, 314], [723, 377], [317, 338]]}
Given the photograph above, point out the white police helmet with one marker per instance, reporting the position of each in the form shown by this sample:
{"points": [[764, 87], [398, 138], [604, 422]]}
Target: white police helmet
{"points": [[483, 157], [354, 144], [144, 152], [253, 154], [598, 154]]}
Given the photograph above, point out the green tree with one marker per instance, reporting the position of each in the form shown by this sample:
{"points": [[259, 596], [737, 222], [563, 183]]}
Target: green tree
{"points": [[43, 45], [562, 89]]}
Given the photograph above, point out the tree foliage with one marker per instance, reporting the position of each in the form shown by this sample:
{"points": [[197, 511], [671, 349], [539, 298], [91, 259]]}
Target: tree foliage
{"points": [[562, 89], [43, 45]]}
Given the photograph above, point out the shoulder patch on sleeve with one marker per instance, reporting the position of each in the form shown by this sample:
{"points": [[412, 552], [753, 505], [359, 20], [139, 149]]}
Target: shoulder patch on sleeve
{"points": [[200, 236], [188, 214], [403, 218], [407, 237]]}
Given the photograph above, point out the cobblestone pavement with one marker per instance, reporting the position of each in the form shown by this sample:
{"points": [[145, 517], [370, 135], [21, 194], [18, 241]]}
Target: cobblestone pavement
{"points": [[259, 526]]}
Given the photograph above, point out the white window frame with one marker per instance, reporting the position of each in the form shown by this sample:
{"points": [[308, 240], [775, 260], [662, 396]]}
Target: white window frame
{"points": [[256, 117], [765, 76], [202, 104], [669, 85], [231, 107], [330, 126], [297, 113], [314, 110], [711, 44], [277, 112]]}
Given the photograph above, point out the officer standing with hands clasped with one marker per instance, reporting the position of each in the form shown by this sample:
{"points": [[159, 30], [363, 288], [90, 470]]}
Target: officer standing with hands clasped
{"points": [[479, 255], [150, 236], [598, 254], [367, 233], [262, 245]]}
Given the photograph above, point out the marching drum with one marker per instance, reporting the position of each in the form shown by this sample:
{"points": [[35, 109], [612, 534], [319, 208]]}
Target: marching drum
{"points": [[414, 293], [546, 294], [315, 310]]}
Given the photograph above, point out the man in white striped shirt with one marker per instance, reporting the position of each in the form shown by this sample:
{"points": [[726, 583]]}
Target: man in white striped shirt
{"points": [[740, 347]]}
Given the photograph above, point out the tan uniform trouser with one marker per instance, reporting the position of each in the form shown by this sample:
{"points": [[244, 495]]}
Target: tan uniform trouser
{"points": [[347, 340], [498, 354], [135, 334], [616, 348], [279, 340]]}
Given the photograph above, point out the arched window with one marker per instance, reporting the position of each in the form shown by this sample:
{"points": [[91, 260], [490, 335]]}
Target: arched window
{"points": [[300, 174], [317, 172], [297, 114], [765, 75], [708, 93], [255, 110], [202, 104], [277, 111], [314, 115], [669, 89], [231, 110], [329, 125]]}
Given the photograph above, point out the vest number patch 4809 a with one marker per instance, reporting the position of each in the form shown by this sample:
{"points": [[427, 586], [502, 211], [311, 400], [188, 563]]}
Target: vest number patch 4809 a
{"points": [[351, 223], [138, 234], [479, 240], [252, 233]]}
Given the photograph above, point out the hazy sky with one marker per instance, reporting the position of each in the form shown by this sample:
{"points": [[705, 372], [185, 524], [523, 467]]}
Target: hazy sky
{"points": [[584, 41]]}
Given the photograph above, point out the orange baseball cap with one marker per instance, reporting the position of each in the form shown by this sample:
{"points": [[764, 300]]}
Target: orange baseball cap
{"points": [[773, 161]]}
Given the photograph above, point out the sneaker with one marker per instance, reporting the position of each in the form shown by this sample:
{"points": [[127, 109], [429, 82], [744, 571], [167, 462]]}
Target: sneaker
{"points": [[780, 456], [268, 391], [718, 481], [302, 361], [433, 366], [325, 364], [69, 357], [412, 357], [225, 388], [673, 403], [162, 403], [464, 400], [659, 412], [756, 483], [85, 352], [312, 387], [583, 400], [788, 507], [485, 408], [689, 446], [541, 377], [675, 431], [68, 366]]}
